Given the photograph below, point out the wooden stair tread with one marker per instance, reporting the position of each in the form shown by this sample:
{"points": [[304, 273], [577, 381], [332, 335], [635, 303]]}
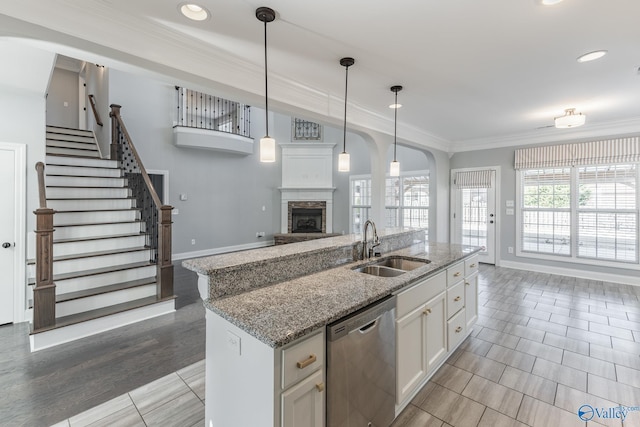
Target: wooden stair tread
{"points": [[66, 128], [86, 176], [96, 271], [92, 198], [88, 238], [81, 166], [74, 156], [87, 186], [96, 210], [102, 312]]}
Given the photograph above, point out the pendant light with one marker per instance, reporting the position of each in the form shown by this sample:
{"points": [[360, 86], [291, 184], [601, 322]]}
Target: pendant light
{"points": [[394, 167], [343, 158], [267, 144]]}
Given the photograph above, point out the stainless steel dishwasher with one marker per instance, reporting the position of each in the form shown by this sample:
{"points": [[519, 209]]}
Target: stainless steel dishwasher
{"points": [[361, 367]]}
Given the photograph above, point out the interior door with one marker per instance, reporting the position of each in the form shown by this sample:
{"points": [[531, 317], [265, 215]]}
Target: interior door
{"points": [[474, 217], [7, 235]]}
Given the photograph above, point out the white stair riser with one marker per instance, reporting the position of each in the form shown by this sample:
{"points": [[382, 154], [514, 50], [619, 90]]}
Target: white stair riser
{"points": [[83, 181], [59, 336], [86, 193], [72, 144], [85, 139], [88, 204], [64, 131], [94, 217], [89, 263], [82, 171], [104, 279], [68, 308], [75, 161], [72, 232], [97, 245]]}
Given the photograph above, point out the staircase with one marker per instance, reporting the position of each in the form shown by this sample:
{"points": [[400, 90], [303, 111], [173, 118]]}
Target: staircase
{"points": [[103, 267]]}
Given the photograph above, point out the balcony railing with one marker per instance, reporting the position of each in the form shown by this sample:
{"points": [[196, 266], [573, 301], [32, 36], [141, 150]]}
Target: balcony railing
{"points": [[202, 111]]}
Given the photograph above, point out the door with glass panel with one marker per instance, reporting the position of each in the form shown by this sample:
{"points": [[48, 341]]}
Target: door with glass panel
{"points": [[473, 210]]}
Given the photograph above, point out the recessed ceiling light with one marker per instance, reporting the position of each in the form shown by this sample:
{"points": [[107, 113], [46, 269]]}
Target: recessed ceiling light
{"points": [[592, 56], [394, 106], [194, 11], [549, 2]]}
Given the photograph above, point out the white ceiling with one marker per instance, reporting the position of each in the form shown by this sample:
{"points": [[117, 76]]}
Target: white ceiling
{"points": [[474, 72]]}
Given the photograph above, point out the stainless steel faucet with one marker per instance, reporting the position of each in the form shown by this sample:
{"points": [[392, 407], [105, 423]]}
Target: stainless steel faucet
{"points": [[376, 242]]}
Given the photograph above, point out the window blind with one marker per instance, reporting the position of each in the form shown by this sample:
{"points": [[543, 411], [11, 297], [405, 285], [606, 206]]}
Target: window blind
{"points": [[474, 179], [620, 150]]}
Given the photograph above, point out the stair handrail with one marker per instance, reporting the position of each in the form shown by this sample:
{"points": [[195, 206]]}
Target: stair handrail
{"points": [[44, 291], [92, 102], [156, 215]]}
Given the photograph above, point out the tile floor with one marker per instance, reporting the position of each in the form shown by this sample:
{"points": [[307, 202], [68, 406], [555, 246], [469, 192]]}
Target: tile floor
{"points": [[543, 347]]}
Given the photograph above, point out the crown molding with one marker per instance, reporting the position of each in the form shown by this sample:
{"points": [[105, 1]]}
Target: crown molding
{"points": [[549, 135]]}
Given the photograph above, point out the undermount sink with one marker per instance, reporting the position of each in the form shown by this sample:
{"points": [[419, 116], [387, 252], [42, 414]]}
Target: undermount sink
{"points": [[392, 266]]}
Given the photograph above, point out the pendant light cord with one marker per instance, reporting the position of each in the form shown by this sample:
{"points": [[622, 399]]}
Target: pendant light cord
{"points": [[395, 128], [266, 85], [344, 137]]}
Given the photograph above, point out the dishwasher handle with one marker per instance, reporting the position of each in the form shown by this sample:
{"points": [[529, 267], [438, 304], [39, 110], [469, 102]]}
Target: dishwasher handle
{"points": [[371, 326]]}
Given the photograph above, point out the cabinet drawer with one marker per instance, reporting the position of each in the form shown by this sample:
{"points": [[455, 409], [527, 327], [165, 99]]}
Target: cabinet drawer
{"points": [[420, 293], [456, 329], [455, 273], [471, 265], [455, 299], [301, 359]]}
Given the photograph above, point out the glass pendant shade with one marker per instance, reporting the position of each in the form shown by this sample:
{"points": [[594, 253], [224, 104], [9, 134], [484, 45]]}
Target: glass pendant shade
{"points": [[394, 168], [344, 161], [267, 149]]}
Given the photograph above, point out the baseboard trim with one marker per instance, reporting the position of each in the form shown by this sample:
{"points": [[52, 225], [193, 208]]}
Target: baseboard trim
{"points": [[222, 250], [74, 332], [572, 272]]}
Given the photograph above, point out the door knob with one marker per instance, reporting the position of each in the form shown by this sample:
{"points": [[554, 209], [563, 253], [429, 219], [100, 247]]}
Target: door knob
{"points": [[6, 245]]}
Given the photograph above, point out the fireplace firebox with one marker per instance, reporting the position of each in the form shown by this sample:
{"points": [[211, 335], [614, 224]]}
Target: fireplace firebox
{"points": [[307, 217]]}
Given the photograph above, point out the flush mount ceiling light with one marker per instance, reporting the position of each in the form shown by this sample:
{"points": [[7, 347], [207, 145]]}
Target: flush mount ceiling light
{"points": [[267, 144], [394, 167], [194, 11], [592, 56], [570, 119], [343, 159]]}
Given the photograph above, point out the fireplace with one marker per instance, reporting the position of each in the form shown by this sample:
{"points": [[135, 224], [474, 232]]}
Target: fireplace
{"points": [[307, 217]]}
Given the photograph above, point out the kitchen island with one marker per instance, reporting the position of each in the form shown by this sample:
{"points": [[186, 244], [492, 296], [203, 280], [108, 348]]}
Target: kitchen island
{"points": [[267, 310]]}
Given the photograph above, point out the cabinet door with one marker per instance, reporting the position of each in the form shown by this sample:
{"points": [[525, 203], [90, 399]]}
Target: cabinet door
{"points": [[411, 359], [471, 299], [303, 404], [435, 327]]}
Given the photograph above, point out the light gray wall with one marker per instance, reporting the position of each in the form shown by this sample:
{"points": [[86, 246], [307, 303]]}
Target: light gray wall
{"points": [[63, 89], [225, 192], [504, 157], [97, 81]]}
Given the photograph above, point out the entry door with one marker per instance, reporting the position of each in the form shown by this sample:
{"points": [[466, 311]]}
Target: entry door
{"points": [[7, 235], [474, 216]]}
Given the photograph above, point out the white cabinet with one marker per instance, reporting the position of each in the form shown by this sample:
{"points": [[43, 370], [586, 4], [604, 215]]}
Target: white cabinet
{"points": [[471, 299], [420, 345], [303, 404]]}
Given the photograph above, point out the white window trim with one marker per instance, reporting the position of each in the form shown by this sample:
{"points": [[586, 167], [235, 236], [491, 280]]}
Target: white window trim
{"points": [[573, 258], [368, 176]]}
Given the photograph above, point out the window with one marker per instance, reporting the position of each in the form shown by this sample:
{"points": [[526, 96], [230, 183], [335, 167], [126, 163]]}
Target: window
{"points": [[583, 212], [406, 200]]}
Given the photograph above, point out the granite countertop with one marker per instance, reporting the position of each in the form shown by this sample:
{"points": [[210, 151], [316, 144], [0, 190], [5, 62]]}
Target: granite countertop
{"points": [[283, 312]]}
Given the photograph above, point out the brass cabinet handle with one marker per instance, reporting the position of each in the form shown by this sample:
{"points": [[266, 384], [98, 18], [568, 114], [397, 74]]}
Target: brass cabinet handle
{"points": [[473, 265], [456, 299], [466, 283], [456, 274], [427, 312], [320, 387], [308, 361], [458, 329]]}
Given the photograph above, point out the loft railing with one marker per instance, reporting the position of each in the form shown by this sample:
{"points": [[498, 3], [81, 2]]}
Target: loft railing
{"points": [[44, 292], [155, 215], [200, 110], [94, 108]]}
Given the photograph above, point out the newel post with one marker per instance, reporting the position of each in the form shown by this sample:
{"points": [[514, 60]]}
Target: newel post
{"points": [[164, 266], [115, 135]]}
